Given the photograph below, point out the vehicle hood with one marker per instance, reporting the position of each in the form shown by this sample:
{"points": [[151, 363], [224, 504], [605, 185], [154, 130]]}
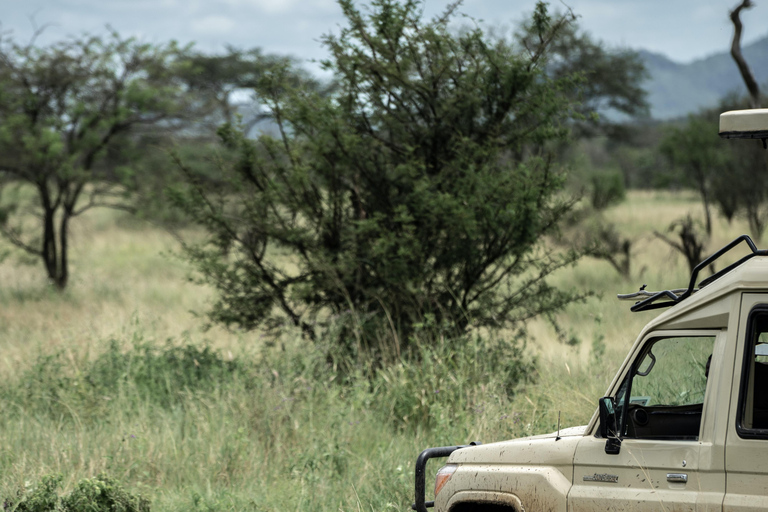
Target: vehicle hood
{"points": [[545, 449]]}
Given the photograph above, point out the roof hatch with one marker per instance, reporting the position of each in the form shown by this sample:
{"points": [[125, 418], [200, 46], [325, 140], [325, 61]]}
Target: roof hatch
{"points": [[745, 124]]}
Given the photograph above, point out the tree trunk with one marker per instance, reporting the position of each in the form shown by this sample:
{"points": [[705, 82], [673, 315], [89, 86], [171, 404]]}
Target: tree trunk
{"points": [[704, 186], [50, 254], [691, 244], [55, 254], [746, 72], [55, 249], [63, 263], [707, 213], [756, 222]]}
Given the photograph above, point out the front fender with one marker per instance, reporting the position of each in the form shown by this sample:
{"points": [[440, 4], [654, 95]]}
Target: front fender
{"points": [[521, 487], [526, 474]]}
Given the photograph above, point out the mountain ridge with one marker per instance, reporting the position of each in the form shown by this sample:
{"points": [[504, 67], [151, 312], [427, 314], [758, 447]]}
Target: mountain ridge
{"points": [[676, 89]]}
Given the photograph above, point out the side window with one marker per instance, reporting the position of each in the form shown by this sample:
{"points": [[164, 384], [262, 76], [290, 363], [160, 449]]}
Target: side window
{"points": [[666, 387], [753, 396]]}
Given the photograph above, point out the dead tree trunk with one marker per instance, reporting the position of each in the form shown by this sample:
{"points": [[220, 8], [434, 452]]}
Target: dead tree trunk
{"points": [[691, 243], [746, 72], [754, 210]]}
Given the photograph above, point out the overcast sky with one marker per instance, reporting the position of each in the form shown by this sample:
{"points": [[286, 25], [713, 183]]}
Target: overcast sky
{"points": [[684, 30]]}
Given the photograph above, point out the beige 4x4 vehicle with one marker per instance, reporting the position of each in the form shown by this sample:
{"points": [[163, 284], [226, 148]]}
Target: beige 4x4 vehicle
{"points": [[683, 426]]}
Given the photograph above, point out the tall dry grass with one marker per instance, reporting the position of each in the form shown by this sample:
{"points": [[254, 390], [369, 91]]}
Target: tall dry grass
{"points": [[112, 376]]}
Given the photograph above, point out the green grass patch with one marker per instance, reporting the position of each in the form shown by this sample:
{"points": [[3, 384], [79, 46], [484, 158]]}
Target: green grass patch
{"points": [[199, 430], [230, 421]]}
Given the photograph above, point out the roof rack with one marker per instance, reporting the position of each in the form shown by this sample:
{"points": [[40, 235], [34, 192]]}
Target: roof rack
{"points": [[676, 296]]}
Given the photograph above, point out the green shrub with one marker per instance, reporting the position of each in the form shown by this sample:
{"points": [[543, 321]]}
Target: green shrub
{"points": [[99, 494], [102, 494], [606, 188], [38, 498], [159, 375]]}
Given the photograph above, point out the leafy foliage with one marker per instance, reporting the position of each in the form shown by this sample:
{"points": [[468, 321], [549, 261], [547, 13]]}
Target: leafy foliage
{"points": [[220, 81], [162, 374], [99, 494], [695, 148], [249, 448], [40, 498], [102, 494], [422, 186], [144, 373], [612, 85], [63, 108], [606, 188], [603, 240]]}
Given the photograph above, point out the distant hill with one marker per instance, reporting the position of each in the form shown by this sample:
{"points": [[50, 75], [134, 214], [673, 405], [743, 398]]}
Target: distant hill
{"points": [[678, 89]]}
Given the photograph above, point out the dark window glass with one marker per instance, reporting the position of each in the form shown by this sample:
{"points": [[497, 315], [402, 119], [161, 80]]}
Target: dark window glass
{"points": [[753, 396]]}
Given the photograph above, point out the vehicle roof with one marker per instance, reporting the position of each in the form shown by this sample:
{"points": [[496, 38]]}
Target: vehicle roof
{"points": [[751, 275], [744, 124]]}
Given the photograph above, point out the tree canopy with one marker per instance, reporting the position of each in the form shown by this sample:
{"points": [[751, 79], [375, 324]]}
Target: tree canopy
{"points": [[222, 85], [418, 192], [730, 174], [61, 109], [611, 89]]}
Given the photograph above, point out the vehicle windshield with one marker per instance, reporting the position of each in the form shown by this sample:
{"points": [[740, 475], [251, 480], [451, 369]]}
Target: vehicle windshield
{"points": [[667, 385]]}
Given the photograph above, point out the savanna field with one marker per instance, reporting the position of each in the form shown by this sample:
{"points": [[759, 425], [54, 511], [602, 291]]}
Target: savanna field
{"points": [[119, 376]]}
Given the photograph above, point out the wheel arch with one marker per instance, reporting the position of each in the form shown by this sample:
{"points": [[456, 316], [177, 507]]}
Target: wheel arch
{"points": [[483, 501]]}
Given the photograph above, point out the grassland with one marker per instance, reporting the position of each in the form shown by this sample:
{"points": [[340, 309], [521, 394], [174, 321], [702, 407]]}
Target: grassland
{"points": [[117, 375]]}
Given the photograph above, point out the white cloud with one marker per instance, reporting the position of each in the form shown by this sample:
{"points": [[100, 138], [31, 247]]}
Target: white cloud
{"points": [[294, 7], [682, 29], [215, 25]]}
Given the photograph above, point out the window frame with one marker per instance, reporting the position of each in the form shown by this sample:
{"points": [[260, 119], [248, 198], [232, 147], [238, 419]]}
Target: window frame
{"points": [[651, 339], [747, 358]]}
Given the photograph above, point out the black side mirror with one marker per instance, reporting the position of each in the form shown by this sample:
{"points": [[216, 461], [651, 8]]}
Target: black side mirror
{"points": [[609, 425]]}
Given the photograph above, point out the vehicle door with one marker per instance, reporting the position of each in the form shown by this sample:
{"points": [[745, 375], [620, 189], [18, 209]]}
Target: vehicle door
{"points": [[666, 459], [746, 449]]}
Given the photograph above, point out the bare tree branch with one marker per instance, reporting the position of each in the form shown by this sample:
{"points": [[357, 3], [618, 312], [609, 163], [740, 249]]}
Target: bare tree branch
{"points": [[746, 72], [103, 204], [13, 237]]}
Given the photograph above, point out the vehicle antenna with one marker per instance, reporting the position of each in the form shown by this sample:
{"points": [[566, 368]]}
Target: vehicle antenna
{"points": [[558, 426]]}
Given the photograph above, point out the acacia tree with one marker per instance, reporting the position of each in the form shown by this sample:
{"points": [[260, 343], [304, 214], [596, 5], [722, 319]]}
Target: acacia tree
{"points": [[219, 82], [418, 192], [611, 86], [695, 147], [61, 107]]}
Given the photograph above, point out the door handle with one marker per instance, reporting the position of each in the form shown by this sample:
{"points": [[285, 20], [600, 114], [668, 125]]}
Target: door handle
{"points": [[678, 478]]}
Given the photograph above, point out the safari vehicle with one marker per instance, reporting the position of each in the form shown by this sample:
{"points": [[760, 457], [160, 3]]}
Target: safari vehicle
{"points": [[683, 425]]}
